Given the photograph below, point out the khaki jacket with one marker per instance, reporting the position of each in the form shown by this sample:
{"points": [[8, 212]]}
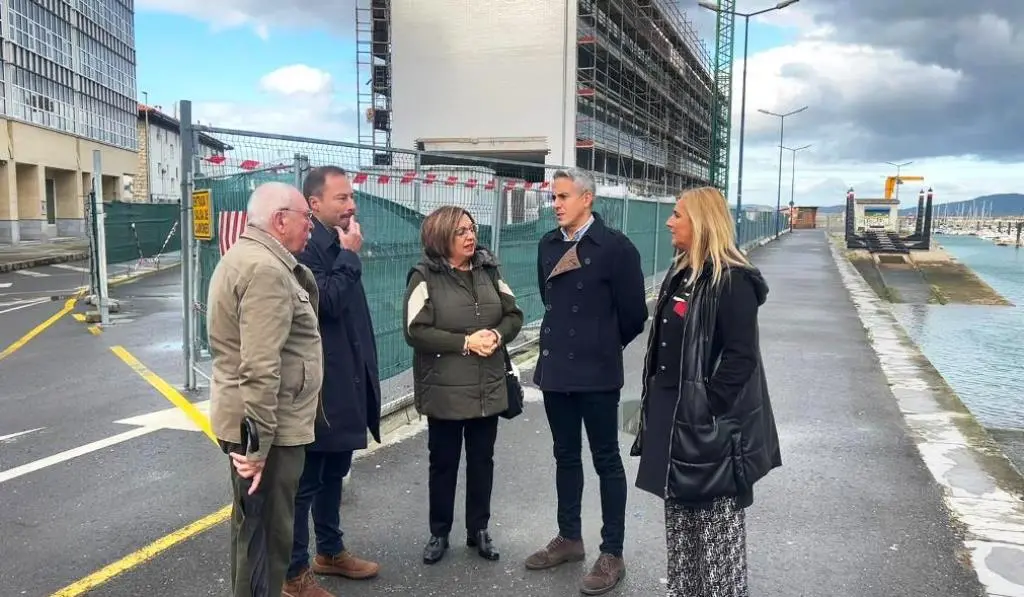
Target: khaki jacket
{"points": [[265, 340]]}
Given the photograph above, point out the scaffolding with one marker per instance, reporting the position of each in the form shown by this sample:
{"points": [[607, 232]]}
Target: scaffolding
{"points": [[373, 64], [644, 95], [722, 125]]}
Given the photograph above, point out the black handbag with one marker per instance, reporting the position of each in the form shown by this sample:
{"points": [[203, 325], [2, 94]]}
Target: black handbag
{"points": [[513, 388]]}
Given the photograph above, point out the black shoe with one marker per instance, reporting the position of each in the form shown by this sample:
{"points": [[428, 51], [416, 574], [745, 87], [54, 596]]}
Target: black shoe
{"points": [[435, 549], [481, 540]]}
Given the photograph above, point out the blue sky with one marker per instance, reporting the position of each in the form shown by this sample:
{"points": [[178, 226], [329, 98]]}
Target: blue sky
{"points": [[184, 58], [185, 51]]}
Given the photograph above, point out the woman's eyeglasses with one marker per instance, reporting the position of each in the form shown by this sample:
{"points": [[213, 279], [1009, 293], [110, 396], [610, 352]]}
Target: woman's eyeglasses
{"points": [[463, 231]]}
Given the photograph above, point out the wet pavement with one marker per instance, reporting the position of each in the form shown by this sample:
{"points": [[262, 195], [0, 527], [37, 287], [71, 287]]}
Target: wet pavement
{"points": [[853, 512]]}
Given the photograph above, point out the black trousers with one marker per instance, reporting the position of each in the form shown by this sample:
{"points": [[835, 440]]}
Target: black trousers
{"points": [[444, 440], [598, 412], [277, 491]]}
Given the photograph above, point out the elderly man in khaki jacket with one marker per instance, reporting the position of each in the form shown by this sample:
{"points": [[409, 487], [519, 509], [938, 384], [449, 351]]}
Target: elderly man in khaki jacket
{"points": [[267, 368]]}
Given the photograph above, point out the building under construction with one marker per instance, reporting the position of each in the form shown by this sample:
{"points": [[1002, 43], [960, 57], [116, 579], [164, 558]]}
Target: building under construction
{"points": [[620, 87]]}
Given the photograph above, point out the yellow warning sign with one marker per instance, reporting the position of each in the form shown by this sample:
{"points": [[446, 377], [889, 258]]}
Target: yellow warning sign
{"points": [[202, 215]]}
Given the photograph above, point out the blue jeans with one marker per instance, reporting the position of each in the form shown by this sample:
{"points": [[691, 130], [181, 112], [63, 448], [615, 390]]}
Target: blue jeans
{"points": [[319, 490]]}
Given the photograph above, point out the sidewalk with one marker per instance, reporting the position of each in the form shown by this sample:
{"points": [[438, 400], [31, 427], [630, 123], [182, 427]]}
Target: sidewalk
{"points": [[29, 254], [853, 512]]}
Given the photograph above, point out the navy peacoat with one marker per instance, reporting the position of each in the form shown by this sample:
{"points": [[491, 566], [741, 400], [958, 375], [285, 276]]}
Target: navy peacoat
{"points": [[350, 397], [595, 304]]}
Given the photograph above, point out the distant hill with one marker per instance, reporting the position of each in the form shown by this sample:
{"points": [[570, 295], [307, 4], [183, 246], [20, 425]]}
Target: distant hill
{"points": [[999, 205]]}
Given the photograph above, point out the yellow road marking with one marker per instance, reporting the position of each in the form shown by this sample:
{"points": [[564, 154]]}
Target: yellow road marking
{"points": [[143, 555], [69, 305], [167, 391], [94, 330], [79, 317]]}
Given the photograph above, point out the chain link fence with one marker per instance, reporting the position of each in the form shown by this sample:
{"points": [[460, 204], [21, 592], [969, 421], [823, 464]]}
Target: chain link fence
{"points": [[510, 200]]}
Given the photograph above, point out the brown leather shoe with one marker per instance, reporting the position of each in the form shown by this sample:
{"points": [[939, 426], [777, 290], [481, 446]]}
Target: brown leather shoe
{"points": [[608, 570], [559, 551], [345, 564], [304, 585]]}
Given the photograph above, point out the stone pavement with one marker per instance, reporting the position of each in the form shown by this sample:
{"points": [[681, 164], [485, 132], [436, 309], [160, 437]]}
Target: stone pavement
{"points": [[854, 512]]}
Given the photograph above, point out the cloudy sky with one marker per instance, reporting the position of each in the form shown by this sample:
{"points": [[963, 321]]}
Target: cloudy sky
{"points": [[935, 82]]}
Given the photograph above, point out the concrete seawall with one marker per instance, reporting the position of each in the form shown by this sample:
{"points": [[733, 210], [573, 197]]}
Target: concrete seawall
{"points": [[981, 487]]}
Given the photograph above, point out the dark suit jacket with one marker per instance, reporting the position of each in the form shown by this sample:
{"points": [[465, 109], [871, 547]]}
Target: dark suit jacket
{"points": [[351, 388]]}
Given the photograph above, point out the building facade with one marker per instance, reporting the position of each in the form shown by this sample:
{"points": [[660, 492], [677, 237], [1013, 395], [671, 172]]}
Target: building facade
{"points": [[158, 175], [68, 88], [620, 87]]}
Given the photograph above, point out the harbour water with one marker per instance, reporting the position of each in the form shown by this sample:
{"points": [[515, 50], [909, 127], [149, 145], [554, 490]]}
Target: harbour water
{"points": [[979, 350]]}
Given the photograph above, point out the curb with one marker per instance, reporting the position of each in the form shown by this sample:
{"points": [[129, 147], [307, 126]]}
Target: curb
{"points": [[41, 261], [139, 276]]}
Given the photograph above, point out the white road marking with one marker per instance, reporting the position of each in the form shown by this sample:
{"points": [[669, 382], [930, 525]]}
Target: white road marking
{"points": [[6, 438], [66, 455], [6, 284], [31, 273], [74, 268], [171, 418], [25, 304]]}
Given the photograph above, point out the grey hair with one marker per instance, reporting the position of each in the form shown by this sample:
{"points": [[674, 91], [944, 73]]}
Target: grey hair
{"points": [[583, 179], [266, 199]]}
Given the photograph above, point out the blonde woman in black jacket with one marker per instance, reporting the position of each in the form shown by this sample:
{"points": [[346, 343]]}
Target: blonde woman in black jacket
{"points": [[707, 430]]}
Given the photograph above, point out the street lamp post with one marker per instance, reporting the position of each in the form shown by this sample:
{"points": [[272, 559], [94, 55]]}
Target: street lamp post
{"points": [[782, 132], [898, 181], [792, 182], [712, 5]]}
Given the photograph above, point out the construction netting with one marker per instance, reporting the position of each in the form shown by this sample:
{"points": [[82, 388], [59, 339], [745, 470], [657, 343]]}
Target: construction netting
{"points": [[510, 201]]}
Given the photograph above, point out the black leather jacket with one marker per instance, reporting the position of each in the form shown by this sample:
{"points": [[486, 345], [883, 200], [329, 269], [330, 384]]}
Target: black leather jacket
{"points": [[712, 452]]}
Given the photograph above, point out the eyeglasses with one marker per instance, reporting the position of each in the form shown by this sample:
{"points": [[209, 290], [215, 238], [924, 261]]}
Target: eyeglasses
{"points": [[306, 212], [466, 230]]}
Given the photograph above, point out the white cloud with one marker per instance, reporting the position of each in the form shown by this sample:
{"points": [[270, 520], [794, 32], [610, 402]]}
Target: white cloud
{"points": [[261, 15], [295, 100], [866, 106], [298, 79]]}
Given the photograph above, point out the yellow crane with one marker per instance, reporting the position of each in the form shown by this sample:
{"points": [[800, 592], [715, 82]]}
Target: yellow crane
{"points": [[892, 181]]}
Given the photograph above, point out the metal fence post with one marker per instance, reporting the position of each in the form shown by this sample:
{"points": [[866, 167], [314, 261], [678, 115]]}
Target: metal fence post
{"points": [[186, 133], [102, 301], [301, 168], [625, 213], [496, 220], [416, 186], [657, 239]]}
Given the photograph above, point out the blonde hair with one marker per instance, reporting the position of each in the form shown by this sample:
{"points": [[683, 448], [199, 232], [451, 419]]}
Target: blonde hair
{"points": [[713, 235]]}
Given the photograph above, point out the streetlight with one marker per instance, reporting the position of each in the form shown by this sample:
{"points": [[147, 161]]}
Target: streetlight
{"points": [[792, 184], [782, 132], [898, 181], [712, 5]]}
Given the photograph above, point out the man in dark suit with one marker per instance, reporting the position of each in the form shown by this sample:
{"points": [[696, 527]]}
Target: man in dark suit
{"points": [[592, 285], [350, 400]]}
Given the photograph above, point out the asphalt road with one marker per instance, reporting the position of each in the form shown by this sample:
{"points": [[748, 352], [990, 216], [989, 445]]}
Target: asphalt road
{"points": [[852, 513]]}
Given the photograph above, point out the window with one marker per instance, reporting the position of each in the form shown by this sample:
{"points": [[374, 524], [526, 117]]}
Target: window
{"points": [[41, 73]]}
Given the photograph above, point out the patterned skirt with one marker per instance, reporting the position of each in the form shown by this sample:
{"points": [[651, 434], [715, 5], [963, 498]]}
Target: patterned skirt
{"points": [[707, 550]]}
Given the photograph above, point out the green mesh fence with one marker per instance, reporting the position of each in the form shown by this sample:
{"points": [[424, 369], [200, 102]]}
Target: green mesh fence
{"points": [[393, 200], [140, 230]]}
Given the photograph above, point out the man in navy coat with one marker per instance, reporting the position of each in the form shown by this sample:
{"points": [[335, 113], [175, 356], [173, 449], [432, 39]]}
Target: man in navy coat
{"points": [[592, 285], [350, 399]]}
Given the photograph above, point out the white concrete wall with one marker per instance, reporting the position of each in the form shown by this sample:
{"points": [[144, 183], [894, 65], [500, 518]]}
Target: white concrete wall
{"points": [[485, 68], [165, 163]]}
